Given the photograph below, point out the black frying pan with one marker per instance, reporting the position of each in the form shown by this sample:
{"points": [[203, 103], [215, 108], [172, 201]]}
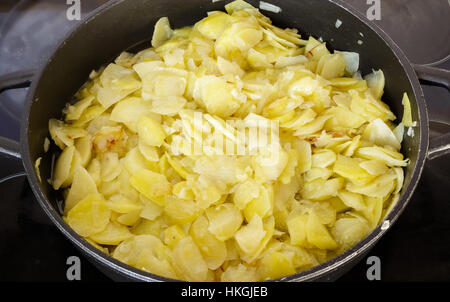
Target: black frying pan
{"points": [[123, 24]]}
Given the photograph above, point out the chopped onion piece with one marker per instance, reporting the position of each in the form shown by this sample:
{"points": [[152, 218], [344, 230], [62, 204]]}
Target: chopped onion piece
{"points": [[352, 61], [269, 7], [399, 131], [380, 134]]}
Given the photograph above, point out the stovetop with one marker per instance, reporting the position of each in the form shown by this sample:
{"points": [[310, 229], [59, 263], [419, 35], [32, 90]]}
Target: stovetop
{"points": [[417, 248]]}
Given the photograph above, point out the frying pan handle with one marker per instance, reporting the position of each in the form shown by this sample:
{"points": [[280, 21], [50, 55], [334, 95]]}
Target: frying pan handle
{"points": [[439, 145], [14, 80], [433, 75], [9, 147]]}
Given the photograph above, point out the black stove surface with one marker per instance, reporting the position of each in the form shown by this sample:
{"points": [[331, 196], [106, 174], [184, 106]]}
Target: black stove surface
{"points": [[416, 248]]}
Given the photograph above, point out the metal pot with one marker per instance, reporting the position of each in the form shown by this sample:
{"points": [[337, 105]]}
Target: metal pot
{"points": [[125, 24]]}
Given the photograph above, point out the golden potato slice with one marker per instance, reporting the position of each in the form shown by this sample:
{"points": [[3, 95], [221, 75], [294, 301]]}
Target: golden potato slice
{"points": [[113, 234], [297, 228], [122, 204], [239, 273], [149, 227], [170, 105], [162, 32], [320, 189], [268, 228], [250, 236], [213, 25], [129, 110], [109, 188], [134, 161], [129, 219], [84, 148], [369, 108], [110, 166], [261, 205], [350, 230], [117, 83], [298, 256], [323, 158], [304, 153], [216, 95], [373, 210], [89, 216], [380, 187], [146, 252], [152, 185], [352, 200], [64, 135], [150, 132], [82, 186], [349, 168], [90, 114], [317, 234], [73, 112], [188, 261], [324, 212], [229, 68], [180, 210], [224, 220], [63, 167], [245, 193], [331, 66], [338, 205], [312, 127], [275, 265], [342, 119], [173, 234], [94, 169], [237, 5], [151, 210], [182, 190], [391, 158], [213, 250], [315, 173], [270, 162], [374, 167]]}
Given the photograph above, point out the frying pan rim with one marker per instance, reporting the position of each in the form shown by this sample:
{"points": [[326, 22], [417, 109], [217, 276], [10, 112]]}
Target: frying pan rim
{"points": [[308, 275]]}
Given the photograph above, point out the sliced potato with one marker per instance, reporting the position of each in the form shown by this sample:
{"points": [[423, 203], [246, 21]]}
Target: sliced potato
{"points": [[89, 216], [152, 185], [224, 220], [113, 234], [188, 261], [82, 186], [162, 32], [213, 250], [231, 150]]}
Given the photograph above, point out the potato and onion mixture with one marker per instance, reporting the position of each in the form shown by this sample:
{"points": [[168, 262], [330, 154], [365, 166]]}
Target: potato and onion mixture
{"points": [[135, 188]]}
